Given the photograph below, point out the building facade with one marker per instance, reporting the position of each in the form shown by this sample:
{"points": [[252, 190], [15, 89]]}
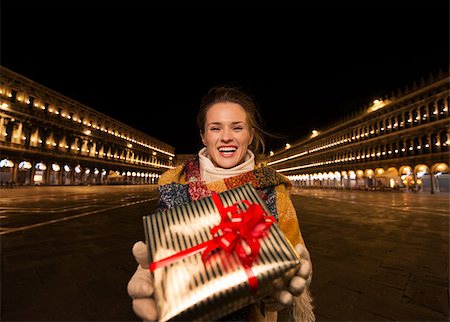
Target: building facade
{"points": [[49, 139], [398, 143]]}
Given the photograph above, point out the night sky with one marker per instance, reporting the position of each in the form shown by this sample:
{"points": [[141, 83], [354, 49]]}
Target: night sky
{"points": [[149, 65]]}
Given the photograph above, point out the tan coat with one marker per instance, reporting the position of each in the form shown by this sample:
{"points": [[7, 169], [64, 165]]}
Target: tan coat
{"points": [[302, 310]]}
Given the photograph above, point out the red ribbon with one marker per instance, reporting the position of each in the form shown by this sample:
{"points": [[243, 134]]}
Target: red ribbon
{"points": [[240, 233]]}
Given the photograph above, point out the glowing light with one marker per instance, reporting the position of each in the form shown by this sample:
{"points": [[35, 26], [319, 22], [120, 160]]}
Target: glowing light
{"points": [[25, 165], [41, 166], [377, 104], [391, 183], [5, 163]]}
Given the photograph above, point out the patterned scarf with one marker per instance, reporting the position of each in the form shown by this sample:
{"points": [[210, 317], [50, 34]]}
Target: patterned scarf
{"points": [[264, 179]]}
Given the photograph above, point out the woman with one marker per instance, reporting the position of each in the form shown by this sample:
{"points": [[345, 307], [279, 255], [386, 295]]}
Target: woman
{"points": [[231, 134]]}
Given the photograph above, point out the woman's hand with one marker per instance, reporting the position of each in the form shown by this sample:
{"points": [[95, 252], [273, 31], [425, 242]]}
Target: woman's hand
{"points": [[140, 286], [296, 286]]}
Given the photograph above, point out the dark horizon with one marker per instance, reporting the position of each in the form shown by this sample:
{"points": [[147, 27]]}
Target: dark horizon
{"points": [[149, 66]]}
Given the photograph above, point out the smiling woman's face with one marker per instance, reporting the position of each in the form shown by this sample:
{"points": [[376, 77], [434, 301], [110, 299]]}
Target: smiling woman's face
{"points": [[226, 134]]}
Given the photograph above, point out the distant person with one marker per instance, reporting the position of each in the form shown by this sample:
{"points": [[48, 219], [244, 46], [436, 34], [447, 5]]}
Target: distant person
{"points": [[231, 134]]}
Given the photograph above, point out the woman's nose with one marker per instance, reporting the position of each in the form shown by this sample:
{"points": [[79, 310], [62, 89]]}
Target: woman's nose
{"points": [[227, 135]]}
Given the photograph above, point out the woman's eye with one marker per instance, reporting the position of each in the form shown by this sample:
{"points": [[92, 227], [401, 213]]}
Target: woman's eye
{"points": [[215, 129], [237, 128]]}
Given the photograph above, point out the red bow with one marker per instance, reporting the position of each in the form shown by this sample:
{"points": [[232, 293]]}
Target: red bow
{"points": [[240, 228]]}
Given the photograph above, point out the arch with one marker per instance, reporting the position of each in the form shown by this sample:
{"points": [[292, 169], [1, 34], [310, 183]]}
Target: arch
{"points": [[423, 113], [40, 166], [421, 168], [392, 178], [379, 172], [40, 173], [443, 138], [380, 179], [441, 177], [86, 175], [405, 169], [352, 179], [56, 167], [439, 167], [55, 174], [25, 165], [407, 178], [6, 172], [441, 109], [369, 178], [424, 180], [67, 174], [6, 163], [331, 175], [24, 172], [78, 174], [391, 172]]}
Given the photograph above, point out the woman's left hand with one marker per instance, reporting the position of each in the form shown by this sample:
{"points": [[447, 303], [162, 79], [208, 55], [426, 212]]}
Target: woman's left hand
{"points": [[296, 286]]}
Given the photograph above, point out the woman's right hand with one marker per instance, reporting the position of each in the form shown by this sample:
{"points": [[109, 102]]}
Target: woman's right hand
{"points": [[140, 287], [296, 286]]}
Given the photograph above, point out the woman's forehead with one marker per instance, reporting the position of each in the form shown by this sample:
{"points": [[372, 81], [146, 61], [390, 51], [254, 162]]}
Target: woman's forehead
{"points": [[228, 111]]}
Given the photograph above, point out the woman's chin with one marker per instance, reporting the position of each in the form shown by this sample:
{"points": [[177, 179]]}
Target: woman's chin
{"points": [[227, 163]]}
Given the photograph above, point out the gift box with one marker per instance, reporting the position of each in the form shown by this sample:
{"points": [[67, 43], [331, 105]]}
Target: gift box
{"points": [[216, 255]]}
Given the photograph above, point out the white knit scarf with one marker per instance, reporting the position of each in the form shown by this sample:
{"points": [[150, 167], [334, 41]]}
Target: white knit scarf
{"points": [[209, 172]]}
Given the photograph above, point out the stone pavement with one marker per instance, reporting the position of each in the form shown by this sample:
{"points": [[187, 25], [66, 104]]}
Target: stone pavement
{"points": [[376, 257], [74, 270]]}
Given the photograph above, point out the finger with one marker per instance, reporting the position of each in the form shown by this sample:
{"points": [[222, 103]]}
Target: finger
{"points": [[297, 285], [284, 298], [302, 251], [141, 254], [305, 270], [145, 309], [141, 284], [308, 280], [278, 284]]}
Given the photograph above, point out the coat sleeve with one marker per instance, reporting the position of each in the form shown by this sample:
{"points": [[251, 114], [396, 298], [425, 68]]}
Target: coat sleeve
{"points": [[302, 308], [287, 216], [172, 175]]}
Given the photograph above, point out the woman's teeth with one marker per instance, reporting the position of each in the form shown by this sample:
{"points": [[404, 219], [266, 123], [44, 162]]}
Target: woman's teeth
{"points": [[227, 150]]}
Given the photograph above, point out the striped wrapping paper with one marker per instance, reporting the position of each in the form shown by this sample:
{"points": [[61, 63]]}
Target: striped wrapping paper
{"points": [[192, 290]]}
